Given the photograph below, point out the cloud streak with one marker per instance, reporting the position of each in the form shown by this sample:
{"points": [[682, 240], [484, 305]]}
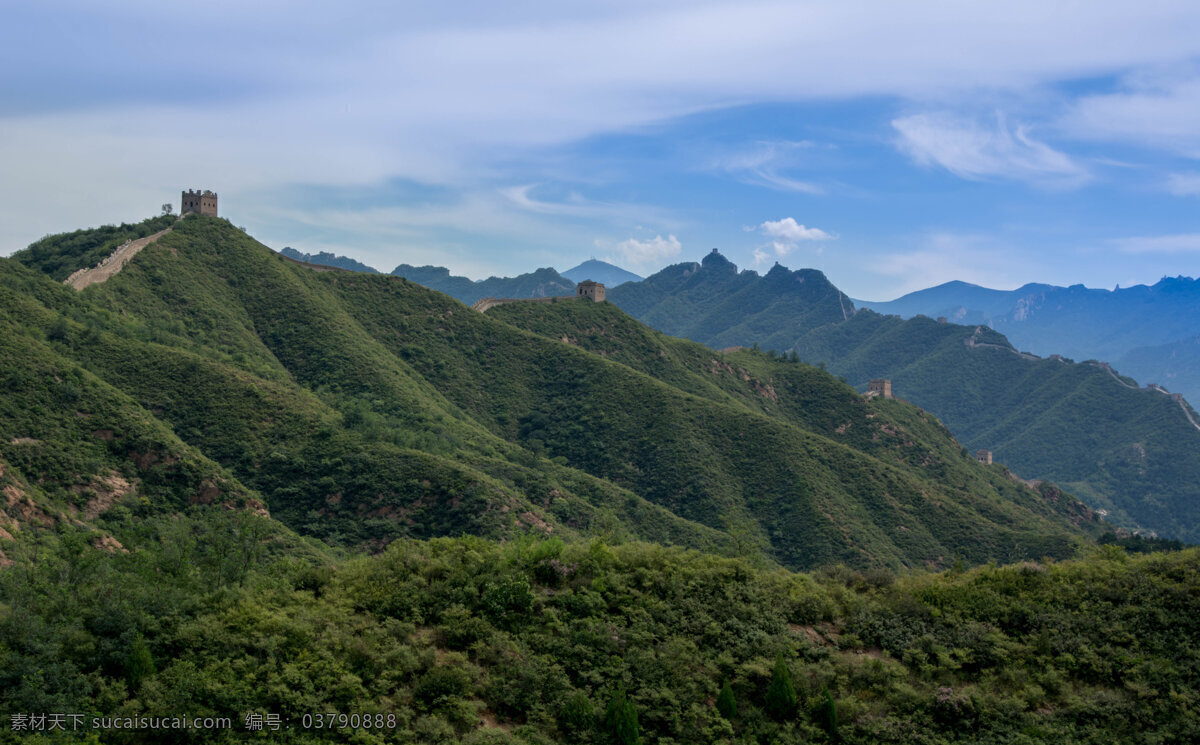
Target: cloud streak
{"points": [[974, 151], [1182, 243]]}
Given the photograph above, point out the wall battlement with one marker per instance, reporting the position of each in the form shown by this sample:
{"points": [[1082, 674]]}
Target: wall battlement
{"points": [[198, 202]]}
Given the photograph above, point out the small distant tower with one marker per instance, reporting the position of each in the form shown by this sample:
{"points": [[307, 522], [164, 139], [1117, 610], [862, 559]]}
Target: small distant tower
{"points": [[590, 290], [881, 388], [199, 202], [984, 457]]}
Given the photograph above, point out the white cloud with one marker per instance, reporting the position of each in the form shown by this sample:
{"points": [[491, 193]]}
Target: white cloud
{"points": [[974, 151], [1184, 184], [1159, 108], [790, 231], [1160, 244], [249, 97], [784, 236], [648, 254]]}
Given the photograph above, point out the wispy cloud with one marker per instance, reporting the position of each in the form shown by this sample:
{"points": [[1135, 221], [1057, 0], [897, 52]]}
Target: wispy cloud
{"points": [[1182, 243], [1159, 107], [576, 205], [1184, 184], [766, 164], [972, 150]]}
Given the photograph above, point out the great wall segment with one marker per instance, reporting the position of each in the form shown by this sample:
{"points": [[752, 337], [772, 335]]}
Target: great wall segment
{"points": [[112, 263]]}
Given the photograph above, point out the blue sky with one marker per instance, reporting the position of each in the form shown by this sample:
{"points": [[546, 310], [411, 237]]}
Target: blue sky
{"points": [[891, 145]]}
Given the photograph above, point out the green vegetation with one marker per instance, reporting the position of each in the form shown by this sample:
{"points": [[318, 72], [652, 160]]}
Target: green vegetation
{"points": [[234, 487], [1129, 452], [60, 255], [537, 641], [359, 409]]}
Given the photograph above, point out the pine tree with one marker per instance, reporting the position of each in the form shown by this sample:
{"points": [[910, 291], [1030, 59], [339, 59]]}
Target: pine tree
{"points": [[621, 718], [781, 695], [726, 705]]}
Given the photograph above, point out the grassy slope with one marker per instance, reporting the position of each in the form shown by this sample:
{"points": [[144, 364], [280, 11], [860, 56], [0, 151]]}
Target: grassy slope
{"points": [[364, 408]]}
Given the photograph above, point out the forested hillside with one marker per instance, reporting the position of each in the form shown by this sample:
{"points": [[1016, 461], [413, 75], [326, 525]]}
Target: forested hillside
{"points": [[360, 409], [319, 506], [1148, 332], [224, 615], [1130, 452]]}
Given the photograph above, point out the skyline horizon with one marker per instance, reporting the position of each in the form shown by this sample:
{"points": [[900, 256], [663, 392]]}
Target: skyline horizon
{"points": [[893, 146]]}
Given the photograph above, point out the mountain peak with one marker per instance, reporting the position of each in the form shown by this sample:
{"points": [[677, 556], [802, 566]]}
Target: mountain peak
{"points": [[601, 271], [715, 260]]}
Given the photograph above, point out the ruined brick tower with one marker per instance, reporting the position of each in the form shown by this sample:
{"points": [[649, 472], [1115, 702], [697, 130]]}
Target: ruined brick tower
{"points": [[591, 290], [199, 202], [881, 387], [984, 456]]}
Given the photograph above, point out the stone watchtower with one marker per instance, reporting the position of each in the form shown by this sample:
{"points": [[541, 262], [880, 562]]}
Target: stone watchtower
{"points": [[199, 202], [591, 290], [881, 388], [984, 456]]}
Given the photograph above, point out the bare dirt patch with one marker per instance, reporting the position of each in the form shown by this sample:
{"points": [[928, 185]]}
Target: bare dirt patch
{"points": [[109, 544]]}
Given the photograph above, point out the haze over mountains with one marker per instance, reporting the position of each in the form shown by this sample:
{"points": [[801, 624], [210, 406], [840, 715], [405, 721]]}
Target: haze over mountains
{"points": [[1149, 332]]}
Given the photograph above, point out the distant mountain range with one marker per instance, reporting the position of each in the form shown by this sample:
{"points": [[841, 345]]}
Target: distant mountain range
{"points": [[1149, 332], [540, 283], [544, 282], [600, 271], [324, 258], [1129, 450]]}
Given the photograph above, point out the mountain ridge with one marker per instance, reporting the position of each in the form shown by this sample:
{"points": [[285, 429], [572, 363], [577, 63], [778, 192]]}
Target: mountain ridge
{"points": [[361, 409], [1097, 447]]}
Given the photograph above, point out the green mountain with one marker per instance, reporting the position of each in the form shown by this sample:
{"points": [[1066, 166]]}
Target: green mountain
{"points": [[194, 448], [1080, 322], [713, 303], [539, 283], [1131, 452], [1175, 365], [602, 272], [360, 409], [324, 258]]}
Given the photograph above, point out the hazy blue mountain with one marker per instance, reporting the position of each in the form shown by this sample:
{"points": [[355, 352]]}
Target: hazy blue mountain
{"points": [[960, 302], [1160, 321], [540, 283], [600, 271], [325, 258], [1174, 365]]}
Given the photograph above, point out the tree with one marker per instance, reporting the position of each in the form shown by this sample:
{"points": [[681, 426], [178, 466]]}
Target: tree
{"points": [[781, 695], [726, 704], [621, 719], [168, 208]]}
